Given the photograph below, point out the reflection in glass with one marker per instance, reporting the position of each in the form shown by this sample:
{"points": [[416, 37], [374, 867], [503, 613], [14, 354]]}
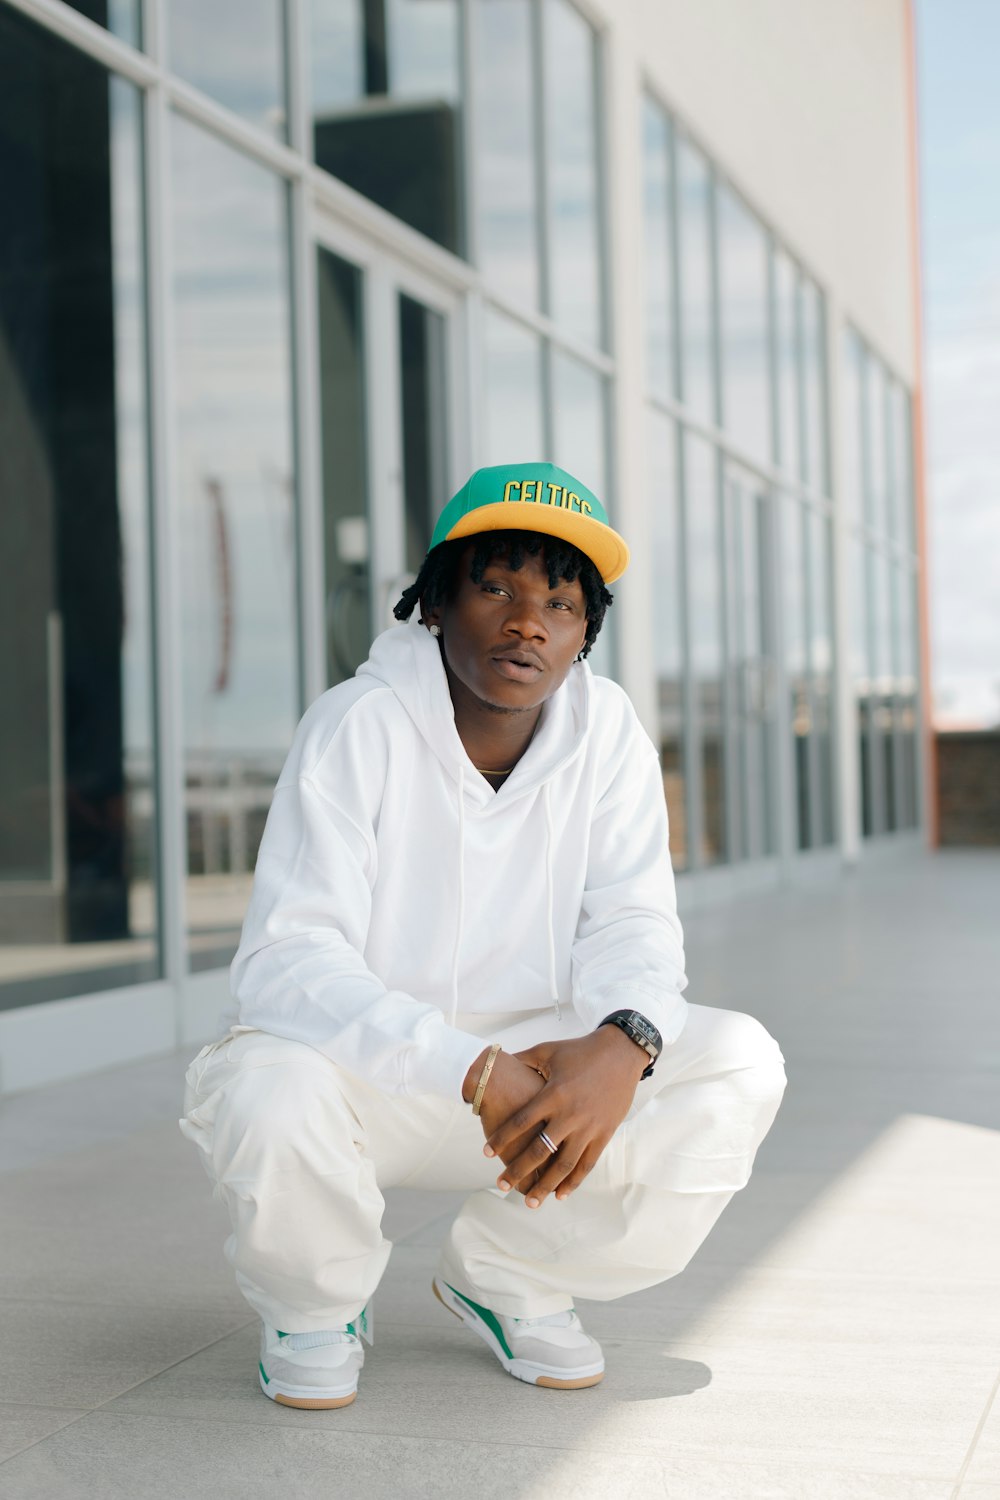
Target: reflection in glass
{"points": [[860, 670], [241, 64], [904, 581], [570, 56], [900, 467], [579, 436], [123, 18], [345, 483], [813, 335], [425, 436], [853, 477], [705, 635], [743, 315], [579, 421], [821, 673], [668, 641], [386, 106], [786, 315], [78, 860], [794, 570], [875, 451], [506, 189], [657, 189], [514, 403], [750, 662], [236, 522], [697, 321]]}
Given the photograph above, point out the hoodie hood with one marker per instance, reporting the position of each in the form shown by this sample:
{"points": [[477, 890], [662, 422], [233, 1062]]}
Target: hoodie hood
{"points": [[407, 659]]}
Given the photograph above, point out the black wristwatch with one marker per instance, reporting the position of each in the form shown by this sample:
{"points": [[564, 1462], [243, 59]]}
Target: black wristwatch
{"points": [[638, 1030]]}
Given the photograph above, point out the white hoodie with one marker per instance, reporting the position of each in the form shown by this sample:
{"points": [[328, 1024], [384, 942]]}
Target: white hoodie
{"points": [[396, 890]]}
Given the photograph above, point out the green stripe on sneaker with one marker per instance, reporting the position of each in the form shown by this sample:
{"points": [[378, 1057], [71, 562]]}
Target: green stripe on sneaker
{"points": [[487, 1317], [263, 1373]]}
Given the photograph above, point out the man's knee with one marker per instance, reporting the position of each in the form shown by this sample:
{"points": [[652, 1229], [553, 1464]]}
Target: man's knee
{"points": [[739, 1047]]}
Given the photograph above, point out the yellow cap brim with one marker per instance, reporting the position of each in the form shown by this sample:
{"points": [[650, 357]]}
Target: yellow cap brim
{"points": [[606, 549]]}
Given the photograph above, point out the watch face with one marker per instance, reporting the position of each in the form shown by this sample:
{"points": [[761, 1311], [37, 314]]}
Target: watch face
{"points": [[646, 1034]]}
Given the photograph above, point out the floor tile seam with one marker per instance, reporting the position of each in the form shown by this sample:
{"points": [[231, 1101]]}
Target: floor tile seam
{"points": [[155, 1374], [973, 1445], [47, 1435]]}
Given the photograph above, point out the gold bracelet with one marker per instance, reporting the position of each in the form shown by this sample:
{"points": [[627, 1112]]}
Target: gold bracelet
{"points": [[484, 1077]]}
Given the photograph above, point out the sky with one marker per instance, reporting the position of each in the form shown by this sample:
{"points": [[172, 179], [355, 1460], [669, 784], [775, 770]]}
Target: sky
{"points": [[958, 43]]}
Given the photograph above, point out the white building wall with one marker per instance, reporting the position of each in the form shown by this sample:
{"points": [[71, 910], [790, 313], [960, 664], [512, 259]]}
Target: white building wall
{"points": [[802, 104]]}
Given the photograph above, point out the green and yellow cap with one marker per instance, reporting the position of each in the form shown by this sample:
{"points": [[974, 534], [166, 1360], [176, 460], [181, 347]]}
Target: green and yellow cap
{"points": [[535, 497]]}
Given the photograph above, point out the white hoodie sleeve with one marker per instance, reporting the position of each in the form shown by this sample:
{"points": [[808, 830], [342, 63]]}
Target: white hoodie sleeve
{"points": [[299, 971], [629, 947]]}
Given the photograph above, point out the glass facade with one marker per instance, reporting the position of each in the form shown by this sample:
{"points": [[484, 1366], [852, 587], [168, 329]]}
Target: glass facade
{"points": [[225, 444], [79, 905], [236, 505], [882, 577]]}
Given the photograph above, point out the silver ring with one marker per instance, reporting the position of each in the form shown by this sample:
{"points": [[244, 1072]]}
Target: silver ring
{"points": [[547, 1142]]}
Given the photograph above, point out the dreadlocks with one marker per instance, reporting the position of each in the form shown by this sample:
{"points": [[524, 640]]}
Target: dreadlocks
{"points": [[438, 579]]}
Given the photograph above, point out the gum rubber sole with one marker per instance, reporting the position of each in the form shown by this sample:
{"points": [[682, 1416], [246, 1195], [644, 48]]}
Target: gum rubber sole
{"points": [[308, 1403], [550, 1382]]}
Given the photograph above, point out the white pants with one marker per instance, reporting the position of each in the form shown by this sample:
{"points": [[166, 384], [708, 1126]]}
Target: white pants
{"points": [[300, 1151]]}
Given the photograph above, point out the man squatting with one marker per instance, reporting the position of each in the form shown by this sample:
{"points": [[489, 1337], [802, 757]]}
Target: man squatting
{"points": [[462, 968]]}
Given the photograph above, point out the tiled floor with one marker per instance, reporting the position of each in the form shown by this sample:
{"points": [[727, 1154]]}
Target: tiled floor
{"points": [[837, 1338]]}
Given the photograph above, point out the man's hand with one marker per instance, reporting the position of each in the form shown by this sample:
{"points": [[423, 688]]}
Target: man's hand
{"points": [[588, 1090], [511, 1085]]}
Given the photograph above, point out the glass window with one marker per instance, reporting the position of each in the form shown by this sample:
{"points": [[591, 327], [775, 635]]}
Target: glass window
{"points": [[506, 187], [794, 569], [668, 640], [853, 475], [514, 402], [877, 467], [579, 436], [236, 522], [424, 406], [743, 315], [813, 334], [697, 318], [574, 282], [901, 527], [123, 18], [579, 444], [78, 845], [239, 62], [386, 106], [706, 637], [347, 548], [821, 672], [658, 247], [786, 312]]}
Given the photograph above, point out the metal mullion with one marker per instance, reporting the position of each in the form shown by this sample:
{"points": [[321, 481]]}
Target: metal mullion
{"points": [[543, 218], [728, 726], [202, 110], [308, 491], [296, 76], [168, 682], [602, 168], [543, 326], [690, 725], [467, 136], [89, 37]]}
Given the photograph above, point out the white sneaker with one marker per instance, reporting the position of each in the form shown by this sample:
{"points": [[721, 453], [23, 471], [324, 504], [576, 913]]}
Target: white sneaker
{"points": [[311, 1370], [551, 1351]]}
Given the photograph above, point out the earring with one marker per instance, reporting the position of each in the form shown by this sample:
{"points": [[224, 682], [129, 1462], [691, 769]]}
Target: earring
{"points": [[435, 629]]}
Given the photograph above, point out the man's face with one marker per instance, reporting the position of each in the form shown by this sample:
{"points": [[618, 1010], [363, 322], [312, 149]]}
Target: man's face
{"points": [[511, 639]]}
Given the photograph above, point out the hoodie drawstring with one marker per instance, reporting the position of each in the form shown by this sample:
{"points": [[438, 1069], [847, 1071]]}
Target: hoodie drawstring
{"points": [[550, 899], [461, 892]]}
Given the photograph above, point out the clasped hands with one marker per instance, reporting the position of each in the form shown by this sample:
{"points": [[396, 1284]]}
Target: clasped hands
{"points": [[577, 1091]]}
